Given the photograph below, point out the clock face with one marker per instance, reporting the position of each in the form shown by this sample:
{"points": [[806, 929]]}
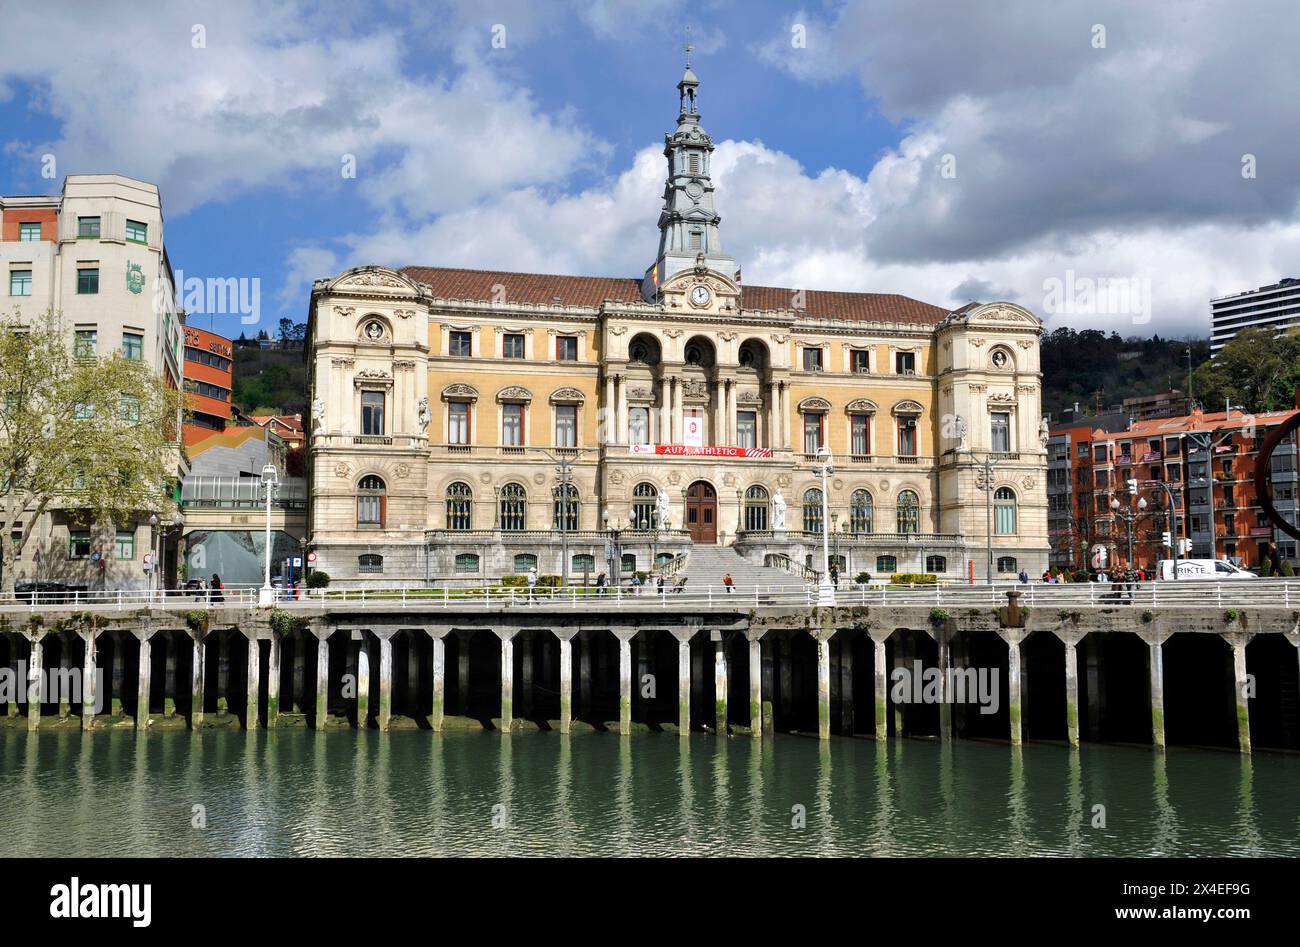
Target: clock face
{"points": [[700, 296], [374, 330]]}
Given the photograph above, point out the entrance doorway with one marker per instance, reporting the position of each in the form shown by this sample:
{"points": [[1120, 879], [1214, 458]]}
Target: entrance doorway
{"points": [[702, 512]]}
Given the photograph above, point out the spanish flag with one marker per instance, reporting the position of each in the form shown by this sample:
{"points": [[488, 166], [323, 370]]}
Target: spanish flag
{"points": [[654, 274], [737, 275]]}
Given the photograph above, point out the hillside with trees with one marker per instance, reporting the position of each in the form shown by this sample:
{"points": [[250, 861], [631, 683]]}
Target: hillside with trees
{"points": [[1088, 366], [271, 380]]}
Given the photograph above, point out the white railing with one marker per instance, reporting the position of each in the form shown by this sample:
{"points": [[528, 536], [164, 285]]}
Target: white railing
{"points": [[1167, 594]]}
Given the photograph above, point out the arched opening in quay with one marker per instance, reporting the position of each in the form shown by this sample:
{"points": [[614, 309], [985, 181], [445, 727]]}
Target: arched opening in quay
{"points": [[339, 694], [1275, 705], [862, 695], [483, 696], [225, 673], [1114, 688], [703, 665], [654, 678], [737, 680], [911, 654], [1042, 687], [981, 686], [171, 657], [14, 653], [1200, 706], [412, 676], [297, 678]]}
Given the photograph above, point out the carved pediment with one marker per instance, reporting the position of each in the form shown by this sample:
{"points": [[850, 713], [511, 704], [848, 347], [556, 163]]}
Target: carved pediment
{"points": [[814, 405], [861, 405], [372, 378], [514, 393], [567, 396], [908, 407], [460, 392]]}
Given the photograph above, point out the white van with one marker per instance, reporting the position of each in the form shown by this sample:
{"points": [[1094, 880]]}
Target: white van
{"points": [[1202, 569]]}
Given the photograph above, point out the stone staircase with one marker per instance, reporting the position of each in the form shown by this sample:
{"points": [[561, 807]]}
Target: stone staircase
{"points": [[706, 565]]}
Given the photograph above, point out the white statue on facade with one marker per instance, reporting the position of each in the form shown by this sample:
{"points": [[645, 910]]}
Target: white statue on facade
{"points": [[778, 510], [318, 415], [661, 503], [1044, 432], [426, 416]]}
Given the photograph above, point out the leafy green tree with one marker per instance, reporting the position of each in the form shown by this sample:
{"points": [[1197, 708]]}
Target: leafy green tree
{"points": [[96, 437], [1256, 370]]}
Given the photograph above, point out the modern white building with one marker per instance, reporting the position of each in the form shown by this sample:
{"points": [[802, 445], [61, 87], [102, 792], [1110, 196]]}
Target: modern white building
{"points": [[1276, 307]]}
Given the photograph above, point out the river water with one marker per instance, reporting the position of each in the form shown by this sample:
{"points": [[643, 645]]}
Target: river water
{"points": [[299, 793]]}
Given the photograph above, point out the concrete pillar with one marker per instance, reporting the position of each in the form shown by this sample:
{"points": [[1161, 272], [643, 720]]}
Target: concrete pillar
{"points": [[254, 683], [684, 685], [756, 687], [89, 682], [1013, 690], [625, 683], [65, 707], [322, 681], [945, 698], [584, 672], [823, 688], [768, 680], [273, 684], [1072, 693], [526, 674], [142, 691], [385, 681], [507, 683], [35, 689], [720, 684], [846, 687], [363, 683], [118, 673], [1239, 689], [462, 674], [197, 676], [566, 684], [223, 674], [787, 678], [299, 704], [438, 709], [1156, 664], [882, 689]]}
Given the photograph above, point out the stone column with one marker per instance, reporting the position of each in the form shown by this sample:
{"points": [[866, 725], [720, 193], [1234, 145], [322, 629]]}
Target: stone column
{"points": [[299, 705], [462, 672], [273, 684], [118, 674], [611, 435], [254, 683], [684, 685], [620, 419], [363, 683], [720, 684], [1238, 643], [526, 673], [322, 679], [1072, 692], [1156, 665], [945, 668], [659, 430], [787, 679], [1013, 688], [756, 687], [846, 687], [142, 691], [34, 684], [438, 708], [823, 687], [89, 682], [385, 681], [507, 681], [169, 675], [768, 684], [882, 689], [679, 430], [198, 671], [566, 681], [625, 682]]}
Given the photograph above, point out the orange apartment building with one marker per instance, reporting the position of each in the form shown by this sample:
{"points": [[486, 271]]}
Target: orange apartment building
{"points": [[209, 373]]}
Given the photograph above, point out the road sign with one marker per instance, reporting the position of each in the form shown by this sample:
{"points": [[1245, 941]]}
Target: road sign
{"points": [[311, 558], [148, 558], [94, 557], [297, 562]]}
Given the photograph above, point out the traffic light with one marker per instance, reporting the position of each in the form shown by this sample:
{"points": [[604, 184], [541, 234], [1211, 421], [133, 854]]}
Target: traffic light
{"points": [[1166, 539], [1132, 487]]}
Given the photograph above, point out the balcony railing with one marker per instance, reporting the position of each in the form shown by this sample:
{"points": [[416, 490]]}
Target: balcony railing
{"points": [[497, 535], [844, 537]]}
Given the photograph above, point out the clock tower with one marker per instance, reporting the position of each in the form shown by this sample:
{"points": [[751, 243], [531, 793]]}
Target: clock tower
{"points": [[688, 222]]}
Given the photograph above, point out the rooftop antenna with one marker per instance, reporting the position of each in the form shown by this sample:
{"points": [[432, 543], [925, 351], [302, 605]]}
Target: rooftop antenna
{"points": [[689, 47]]}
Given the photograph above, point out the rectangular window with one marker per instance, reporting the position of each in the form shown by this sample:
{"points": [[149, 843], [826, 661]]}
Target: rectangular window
{"points": [[638, 425], [124, 547], [812, 359], [695, 164], [29, 232], [137, 232], [746, 429], [512, 424], [905, 363], [859, 361], [132, 346], [86, 343], [130, 409], [1083, 450], [1099, 453], [512, 346], [907, 437], [566, 425], [88, 227], [461, 344], [566, 348], [79, 544], [1001, 422], [697, 240], [370, 510], [372, 413], [20, 282], [860, 434], [812, 433], [87, 280], [458, 422]]}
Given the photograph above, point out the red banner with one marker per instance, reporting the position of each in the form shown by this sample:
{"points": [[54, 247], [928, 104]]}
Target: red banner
{"points": [[683, 450]]}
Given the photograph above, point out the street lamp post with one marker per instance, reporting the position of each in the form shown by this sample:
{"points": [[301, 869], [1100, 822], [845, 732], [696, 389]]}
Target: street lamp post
{"points": [[984, 481], [824, 468], [267, 595], [153, 547], [1129, 516]]}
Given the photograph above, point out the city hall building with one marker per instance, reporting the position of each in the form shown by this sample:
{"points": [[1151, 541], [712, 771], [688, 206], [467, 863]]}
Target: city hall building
{"points": [[469, 424]]}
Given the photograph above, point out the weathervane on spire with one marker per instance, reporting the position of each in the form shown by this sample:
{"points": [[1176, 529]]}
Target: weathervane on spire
{"points": [[689, 46]]}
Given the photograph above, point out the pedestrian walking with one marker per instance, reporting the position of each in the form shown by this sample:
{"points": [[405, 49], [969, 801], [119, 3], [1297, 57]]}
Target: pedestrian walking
{"points": [[218, 595], [727, 583], [532, 585]]}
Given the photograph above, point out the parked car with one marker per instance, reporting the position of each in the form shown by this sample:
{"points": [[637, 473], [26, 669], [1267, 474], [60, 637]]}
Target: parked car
{"points": [[52, 592], [1202, 569]]}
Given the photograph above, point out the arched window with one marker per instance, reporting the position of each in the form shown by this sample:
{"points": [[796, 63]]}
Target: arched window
{"points": [[525, 561], [513, 507], [909, 512], [812, 511], [467, 563], [1004, 512], [756, 508], [370, 563], [371, 502], [1006, 563], [629, 562], [936, 564], [584, 562], [861, 512], [566, 507], [645, 506], [460, 506], [886, 564]]}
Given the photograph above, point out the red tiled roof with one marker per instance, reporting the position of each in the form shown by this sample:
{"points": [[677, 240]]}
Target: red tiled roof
{"points": [[538, 288]]}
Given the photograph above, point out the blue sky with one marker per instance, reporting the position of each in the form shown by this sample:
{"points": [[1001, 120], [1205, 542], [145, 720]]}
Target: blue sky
{"points": [[947, 150]]}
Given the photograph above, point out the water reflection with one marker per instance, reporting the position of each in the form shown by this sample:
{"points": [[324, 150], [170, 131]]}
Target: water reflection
{"points": [[304, 793]]}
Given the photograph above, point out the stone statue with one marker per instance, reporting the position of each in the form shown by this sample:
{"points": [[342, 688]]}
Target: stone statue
{"points": [[1043, 431], [661, 502], [426, 416], [318, 415], [778, 510]]}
